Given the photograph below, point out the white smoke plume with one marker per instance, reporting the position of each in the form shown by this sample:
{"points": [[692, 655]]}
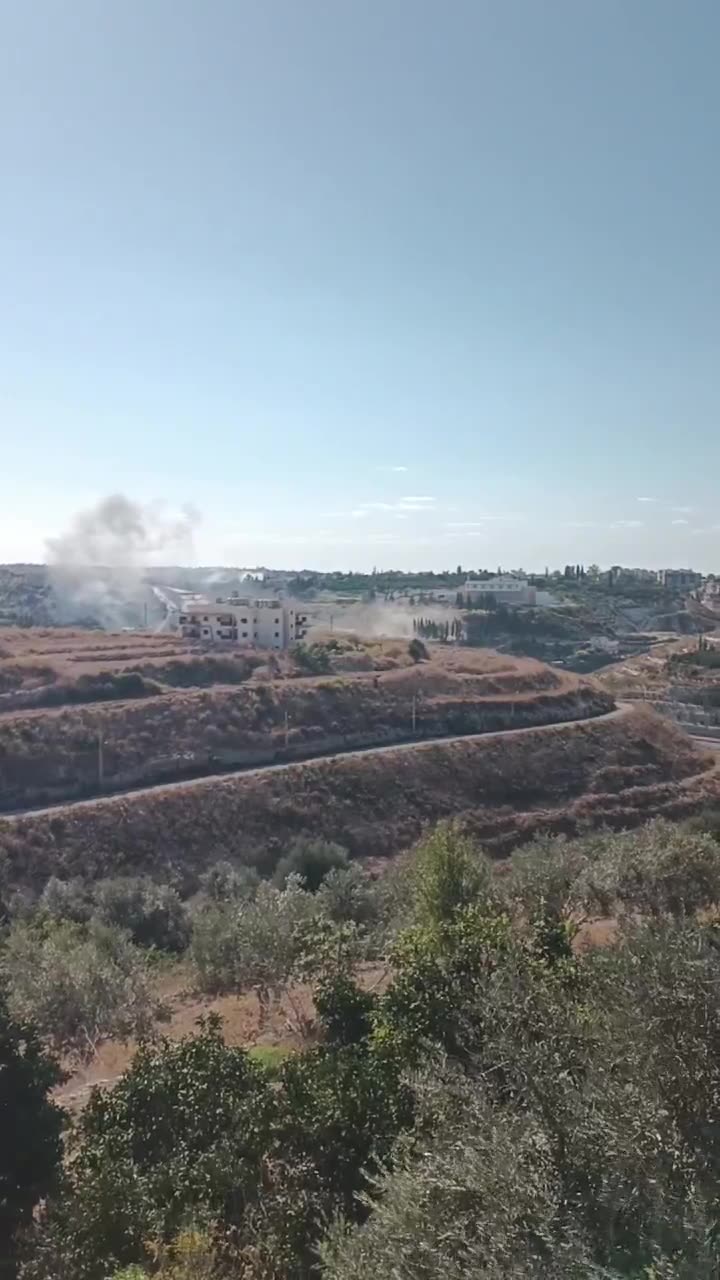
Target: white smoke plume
{"points": [[98, 565]]}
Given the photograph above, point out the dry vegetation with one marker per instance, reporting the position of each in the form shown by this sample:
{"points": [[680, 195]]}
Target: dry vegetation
{"points": [[618, 770], [53, 754]]}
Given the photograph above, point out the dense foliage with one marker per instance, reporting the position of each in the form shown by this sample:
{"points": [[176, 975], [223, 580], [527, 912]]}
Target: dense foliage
{"points": [[30, 1127], [514, 1101]]}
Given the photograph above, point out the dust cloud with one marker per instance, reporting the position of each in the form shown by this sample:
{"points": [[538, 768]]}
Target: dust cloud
{"points": [[377, 620], [97, 566]]}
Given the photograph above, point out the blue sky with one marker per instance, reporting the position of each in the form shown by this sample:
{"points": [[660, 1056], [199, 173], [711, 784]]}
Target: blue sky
{"points": [[392, 282]]}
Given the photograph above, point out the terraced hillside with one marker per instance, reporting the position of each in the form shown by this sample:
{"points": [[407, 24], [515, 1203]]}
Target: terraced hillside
{"points": [[618, 769], [53, 754]]}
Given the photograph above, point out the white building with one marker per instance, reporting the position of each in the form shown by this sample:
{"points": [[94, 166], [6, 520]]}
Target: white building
{"points": [[680, 579], [504, 589], [242, 621]]}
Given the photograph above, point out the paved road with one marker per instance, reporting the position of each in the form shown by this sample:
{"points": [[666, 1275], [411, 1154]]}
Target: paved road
{"points": [[213, 778]]}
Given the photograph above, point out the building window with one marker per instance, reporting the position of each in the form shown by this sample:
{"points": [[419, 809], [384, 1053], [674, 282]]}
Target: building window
{"points": [[243, 619], [244, 635], [206, 631], [276, 621], [277, 635], [205, 619]]}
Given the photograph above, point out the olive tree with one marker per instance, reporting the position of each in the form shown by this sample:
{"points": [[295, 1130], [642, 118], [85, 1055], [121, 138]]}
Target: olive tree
{"points": [[31, 1126], [78, 984]]}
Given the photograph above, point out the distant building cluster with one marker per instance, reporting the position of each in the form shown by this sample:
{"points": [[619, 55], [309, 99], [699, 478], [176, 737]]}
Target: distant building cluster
{"points": [[672, 579], [243, 621], [506, 588], [680, 579]]}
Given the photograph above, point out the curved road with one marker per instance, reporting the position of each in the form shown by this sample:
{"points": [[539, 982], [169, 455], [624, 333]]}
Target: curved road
{"points": [[211, 779]]}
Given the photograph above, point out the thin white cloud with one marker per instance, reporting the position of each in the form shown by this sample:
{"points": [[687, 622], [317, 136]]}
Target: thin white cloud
{"points": [[414, 498], [398, 469], [363, 509], [647, 499], [683, 510], [627, 524], [680, 522], [479, 524]]}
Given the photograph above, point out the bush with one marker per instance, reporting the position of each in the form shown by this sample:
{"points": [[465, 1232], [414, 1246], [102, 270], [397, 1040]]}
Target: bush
{"points": [[78, 984], [657, 870], [311, 860], [449, 872], [253, 944], [30, 1149], [224, 882], [482, 1198], [180, 1137], [311, 659], [66, 900], [349, 894], [152, 914]]}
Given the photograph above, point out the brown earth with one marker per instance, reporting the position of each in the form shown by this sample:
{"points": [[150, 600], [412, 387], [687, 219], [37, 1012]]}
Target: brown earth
{"points": [[618, 770], [64, 753], [243, 1024]]}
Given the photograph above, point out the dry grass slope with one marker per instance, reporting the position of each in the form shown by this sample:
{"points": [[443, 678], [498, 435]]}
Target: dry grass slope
{"points": [[50, 755], [618, 770]]}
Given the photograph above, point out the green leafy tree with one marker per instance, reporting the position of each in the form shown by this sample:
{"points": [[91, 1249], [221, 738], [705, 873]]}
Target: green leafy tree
{"points": [[482, 1198], [182, 1135], [152, 914], [350, 893], [253, 945], [78, 984], [311, 859], [30, 1124], [226, 882], [449, 873]]}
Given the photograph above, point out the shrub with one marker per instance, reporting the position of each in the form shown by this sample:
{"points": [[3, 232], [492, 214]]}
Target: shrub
{"points": [[349, 893], [152, 914], [311, 659], [449, 873], [30, 1149], [78, 984], [224, 882], [66, 900], [180, 1137], [311, 860], [253, 944], [659, 869]]}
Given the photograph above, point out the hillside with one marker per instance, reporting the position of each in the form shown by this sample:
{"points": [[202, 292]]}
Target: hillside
{"points": [[617, 770], [52, 754]]}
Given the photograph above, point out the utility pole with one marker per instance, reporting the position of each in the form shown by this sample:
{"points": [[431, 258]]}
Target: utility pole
{"points": [[414, 712], [287, 728], [100, 759]]}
